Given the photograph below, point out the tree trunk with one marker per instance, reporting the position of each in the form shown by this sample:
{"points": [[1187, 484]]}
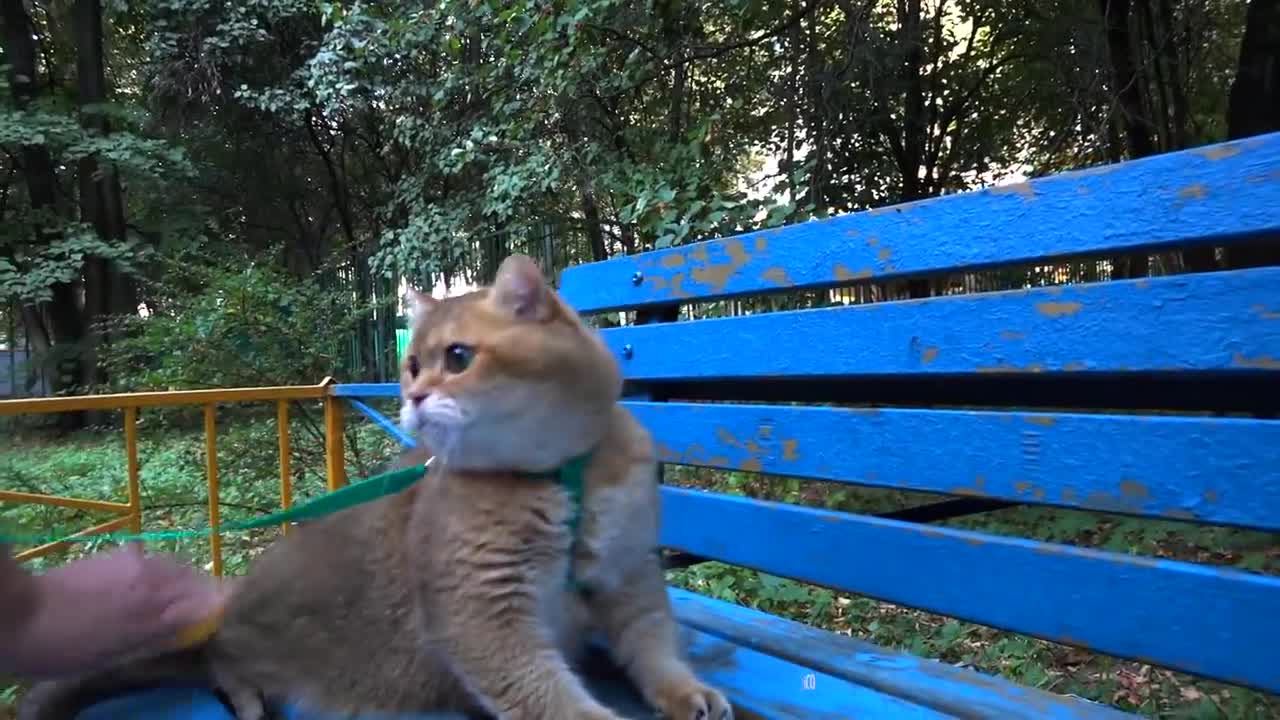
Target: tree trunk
{"points": [[1254, 107], [628, 238], [788, 164], [814, 71], [361, 283], [1136, 123], [1197, 259], [591, 219], [1174, 57], [1153, 56], [66, 330], [672, 17], [913, 121], [106, 289]]}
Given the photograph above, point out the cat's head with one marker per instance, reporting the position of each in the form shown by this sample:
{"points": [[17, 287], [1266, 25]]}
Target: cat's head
{"points": [[506, 377]]}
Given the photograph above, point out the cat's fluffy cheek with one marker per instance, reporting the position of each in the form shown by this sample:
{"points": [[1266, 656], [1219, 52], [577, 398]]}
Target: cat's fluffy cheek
{"points": [[441, 438], [409, 421], [438, 420], [442, 410]]}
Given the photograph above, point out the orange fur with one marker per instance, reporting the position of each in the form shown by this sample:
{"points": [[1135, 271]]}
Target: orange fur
{"points": [[531, 346], [452, 594]]}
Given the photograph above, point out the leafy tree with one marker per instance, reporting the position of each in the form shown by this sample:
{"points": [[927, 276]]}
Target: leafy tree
{"points": [[350, 145]]}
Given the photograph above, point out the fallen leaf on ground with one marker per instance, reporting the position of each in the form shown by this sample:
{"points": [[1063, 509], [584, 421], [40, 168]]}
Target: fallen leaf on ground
{"points": [[1189, 693]]}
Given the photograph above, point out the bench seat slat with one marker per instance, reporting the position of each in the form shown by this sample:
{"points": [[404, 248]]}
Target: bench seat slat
{"points": [[1228, 321], [1204, 620], [760, 682], [1219, 470], [763, 686], [956, 691], [1219, 192]]}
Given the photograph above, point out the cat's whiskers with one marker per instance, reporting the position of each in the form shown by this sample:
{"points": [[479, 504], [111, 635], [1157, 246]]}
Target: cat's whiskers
{"points": [[449, 447]]}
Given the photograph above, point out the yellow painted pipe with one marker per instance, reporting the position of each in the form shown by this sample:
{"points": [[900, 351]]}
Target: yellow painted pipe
{"points": [[211, 468], [131, 462], [335, 466], [106, 527], [58, 501], [286, 479], [161, 398], [334, 444]]}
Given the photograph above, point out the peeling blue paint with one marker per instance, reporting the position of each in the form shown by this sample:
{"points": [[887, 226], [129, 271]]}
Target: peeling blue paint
{"points": [[1205, 322], [1219, 193], [1214, 470]]}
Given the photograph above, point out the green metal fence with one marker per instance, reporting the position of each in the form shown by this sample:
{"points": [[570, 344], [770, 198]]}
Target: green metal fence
{"points": [[402, 342]]}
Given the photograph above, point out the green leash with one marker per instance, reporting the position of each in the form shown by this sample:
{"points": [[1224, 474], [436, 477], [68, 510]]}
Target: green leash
{"points": [[571, 476], [357, 493]]}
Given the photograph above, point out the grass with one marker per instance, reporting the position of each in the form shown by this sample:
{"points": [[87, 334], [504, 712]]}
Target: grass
{"points": [[172, 475], [91, 464]]}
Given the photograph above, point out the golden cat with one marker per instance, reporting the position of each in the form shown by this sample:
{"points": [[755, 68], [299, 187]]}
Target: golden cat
{"points": [[471, 590]]}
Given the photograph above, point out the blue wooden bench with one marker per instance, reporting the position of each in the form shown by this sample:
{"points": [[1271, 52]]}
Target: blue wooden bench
{"points": [[1144, 397]]}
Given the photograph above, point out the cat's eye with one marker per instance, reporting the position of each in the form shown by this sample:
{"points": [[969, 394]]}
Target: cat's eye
{"points": [[414, 367], [458, 357]]}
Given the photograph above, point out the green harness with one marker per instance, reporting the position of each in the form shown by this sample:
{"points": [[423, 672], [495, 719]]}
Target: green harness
{"points": [[571, 476]]}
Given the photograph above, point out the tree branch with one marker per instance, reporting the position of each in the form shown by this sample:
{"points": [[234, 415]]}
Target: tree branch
{"points": [[708, 52]]}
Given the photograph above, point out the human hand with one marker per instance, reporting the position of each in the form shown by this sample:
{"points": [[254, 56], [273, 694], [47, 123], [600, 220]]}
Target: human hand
{"points": [[114, 604]]}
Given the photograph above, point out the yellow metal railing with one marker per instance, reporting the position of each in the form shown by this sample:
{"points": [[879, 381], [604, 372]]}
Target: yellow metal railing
{"points": [[129, 514]]}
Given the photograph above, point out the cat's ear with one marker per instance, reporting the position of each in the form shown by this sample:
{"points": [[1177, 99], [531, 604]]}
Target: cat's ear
{"points": [[420, 305], [520, 290]]}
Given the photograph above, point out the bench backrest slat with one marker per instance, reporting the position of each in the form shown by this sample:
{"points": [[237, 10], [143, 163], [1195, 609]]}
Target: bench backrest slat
{"points": [[976, 385], [1210, 322], [1221, 194], [1223, 471], [1202, 620]]}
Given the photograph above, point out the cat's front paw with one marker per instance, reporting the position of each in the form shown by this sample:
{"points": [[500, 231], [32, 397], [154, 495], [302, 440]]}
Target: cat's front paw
{"points": [[691, 700]]}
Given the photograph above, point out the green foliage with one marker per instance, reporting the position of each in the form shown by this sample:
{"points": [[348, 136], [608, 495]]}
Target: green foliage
{"points": [[227, 326], [40, 247], [391, 140], [31, 271], [499, 118]]}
